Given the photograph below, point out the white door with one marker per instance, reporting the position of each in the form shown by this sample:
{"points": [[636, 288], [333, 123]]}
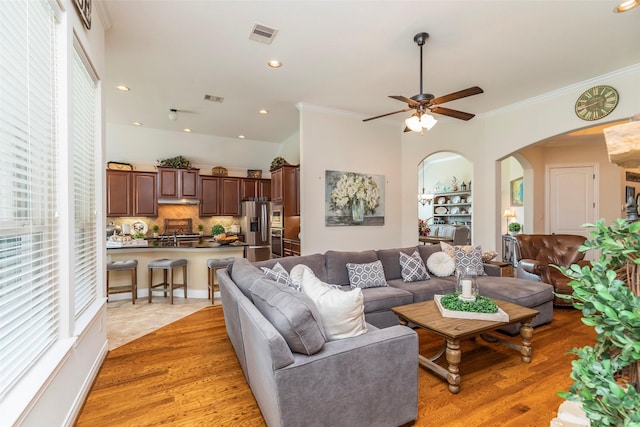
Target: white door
{"points": [[571, 198]]}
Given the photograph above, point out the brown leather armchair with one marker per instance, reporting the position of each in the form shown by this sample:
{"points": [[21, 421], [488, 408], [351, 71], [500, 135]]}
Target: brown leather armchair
{"points": [[538, 252]]}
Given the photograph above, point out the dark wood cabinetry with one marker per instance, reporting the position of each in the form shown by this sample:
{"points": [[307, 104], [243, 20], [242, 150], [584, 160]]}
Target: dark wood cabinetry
{"points": [[178, 183], [251, 188], [131, 194], [209, 196], [222, 195], [285, 188], [291, 247], [229, 196]]}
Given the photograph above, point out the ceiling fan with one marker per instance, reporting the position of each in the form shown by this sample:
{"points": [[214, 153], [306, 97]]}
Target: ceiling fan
{"points": [[425, 101], [173, 113]]}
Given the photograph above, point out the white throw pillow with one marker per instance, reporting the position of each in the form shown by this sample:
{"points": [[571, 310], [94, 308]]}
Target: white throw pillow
{"points": [[342, 312], [441, 264]]}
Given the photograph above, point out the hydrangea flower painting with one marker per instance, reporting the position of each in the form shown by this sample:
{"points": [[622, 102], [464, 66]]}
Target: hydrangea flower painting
{"points": [[354, 199]]}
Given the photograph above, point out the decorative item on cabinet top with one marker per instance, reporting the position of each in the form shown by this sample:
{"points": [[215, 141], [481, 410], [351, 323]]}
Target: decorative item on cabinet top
{"points": [[120, 166], [254, 173], [177, 162], [219, 171], [278, 162]]}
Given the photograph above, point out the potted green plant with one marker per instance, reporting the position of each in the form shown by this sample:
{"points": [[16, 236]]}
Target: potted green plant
{"points": [[155, 229], [605, 375], [217, 230], [515, 227], [200, 228]]}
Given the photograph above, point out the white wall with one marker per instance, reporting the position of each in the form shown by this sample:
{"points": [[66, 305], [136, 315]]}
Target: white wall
{"points": [[143, 147], [342, 142]]}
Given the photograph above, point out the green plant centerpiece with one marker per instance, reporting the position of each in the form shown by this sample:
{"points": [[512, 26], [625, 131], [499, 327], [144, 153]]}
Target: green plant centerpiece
{"points": [[217, 230], [177, 162], [278, 162], [605, 375], [481, 304], [515, 227], [155, 228], [138, 235]]}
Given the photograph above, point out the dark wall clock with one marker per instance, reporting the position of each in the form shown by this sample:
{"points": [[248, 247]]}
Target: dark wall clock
{"points": [[596, 102]]}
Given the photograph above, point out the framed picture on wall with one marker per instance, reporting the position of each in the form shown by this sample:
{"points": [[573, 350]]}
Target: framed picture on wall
{"points": [[517, 192], [629, 193]]}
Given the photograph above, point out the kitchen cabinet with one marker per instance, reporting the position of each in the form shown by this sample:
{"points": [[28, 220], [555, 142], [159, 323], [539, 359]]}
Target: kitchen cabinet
{"points": [[291, 247], [220, 196], [277, 185], [131, 194], [178, 183], [252, 188], [285, 188]]}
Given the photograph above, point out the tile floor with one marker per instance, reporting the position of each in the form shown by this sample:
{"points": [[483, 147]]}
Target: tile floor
{"points": [[126, 321]]}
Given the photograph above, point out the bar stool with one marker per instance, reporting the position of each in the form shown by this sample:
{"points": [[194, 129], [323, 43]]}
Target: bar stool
{"points": [[213, 266], [128, 264], [167, 265]]}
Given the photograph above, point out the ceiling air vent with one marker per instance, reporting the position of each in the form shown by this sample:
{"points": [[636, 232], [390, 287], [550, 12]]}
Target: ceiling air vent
{"points": [[262, 34], [213, 98]]}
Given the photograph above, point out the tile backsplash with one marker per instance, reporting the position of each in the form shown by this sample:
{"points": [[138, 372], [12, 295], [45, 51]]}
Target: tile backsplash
{"points": [[179, 212]]}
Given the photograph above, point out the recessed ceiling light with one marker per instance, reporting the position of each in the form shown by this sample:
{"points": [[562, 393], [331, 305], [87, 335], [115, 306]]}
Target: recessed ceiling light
{"points": [[136, 124], [241, 136], [187, 130], [123, 88], [274, 63], [626, 5], [263, 111]]}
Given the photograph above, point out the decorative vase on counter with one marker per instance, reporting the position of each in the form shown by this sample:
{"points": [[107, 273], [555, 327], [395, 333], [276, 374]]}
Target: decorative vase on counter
{"points": [[357, 211]]}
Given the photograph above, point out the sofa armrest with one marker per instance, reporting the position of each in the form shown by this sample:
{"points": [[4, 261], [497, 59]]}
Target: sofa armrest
{"points": [[348, 374], [535, 268]]}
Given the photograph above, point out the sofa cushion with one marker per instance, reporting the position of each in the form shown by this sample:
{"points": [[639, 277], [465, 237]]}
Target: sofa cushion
{"points": [[336, 264], [413, 268], [441, 264], [527, 293], [383, 298], [369, 275], [391, 261], [426, 251], [244, 274], [469, 260], [314, 261], [342, 312], [292, 313], [280, 275], [424, 290]]}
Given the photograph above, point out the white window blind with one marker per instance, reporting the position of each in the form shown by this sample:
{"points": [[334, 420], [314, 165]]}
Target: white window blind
{"points": [[84, 154], [28, 251]]}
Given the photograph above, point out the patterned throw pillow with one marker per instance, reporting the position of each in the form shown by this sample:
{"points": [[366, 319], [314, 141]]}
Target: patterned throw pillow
{"points": [[441, 264], [369, 275], [412, 267], [280, 275], [488, 255], [469, 259]]}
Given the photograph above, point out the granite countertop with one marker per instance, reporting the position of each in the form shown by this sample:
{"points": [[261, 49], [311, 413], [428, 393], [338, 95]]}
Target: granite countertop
{"points": [[205, 244]]}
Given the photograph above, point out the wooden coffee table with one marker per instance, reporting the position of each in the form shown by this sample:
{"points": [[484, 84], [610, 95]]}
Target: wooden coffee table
{"points": [[426, 315]]}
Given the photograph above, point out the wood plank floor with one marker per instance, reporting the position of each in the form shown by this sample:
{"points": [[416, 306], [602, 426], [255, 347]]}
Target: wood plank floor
{"points": [[187, 374]]}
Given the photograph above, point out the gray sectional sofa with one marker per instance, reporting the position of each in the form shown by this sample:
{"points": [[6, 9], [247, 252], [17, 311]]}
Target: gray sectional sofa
{"points": [[366, 380]]}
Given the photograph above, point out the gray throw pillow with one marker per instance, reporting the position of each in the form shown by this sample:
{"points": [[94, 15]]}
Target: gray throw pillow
{"points": [[412, 267], [279, 274], [370, 275], [469, 259], [292, 313]]}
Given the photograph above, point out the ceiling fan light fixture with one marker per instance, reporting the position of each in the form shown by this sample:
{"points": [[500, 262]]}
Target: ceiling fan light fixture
{"points": [[173, 114], [427, 121], [413, 123]]}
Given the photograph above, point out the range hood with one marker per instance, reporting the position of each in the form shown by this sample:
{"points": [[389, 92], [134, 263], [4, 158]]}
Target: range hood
{"points": [[173, 201]]}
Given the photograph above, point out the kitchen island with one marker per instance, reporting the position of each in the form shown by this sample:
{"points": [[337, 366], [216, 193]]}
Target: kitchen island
{"points": [[196, 253]]}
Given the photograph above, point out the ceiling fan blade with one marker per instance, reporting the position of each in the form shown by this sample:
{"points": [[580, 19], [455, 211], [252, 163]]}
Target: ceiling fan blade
{"points": [[409, 101], [388, 114], [475, 90], [452, 113]]}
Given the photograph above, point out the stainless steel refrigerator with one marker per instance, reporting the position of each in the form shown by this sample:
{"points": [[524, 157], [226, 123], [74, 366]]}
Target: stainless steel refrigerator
{"points": [[255, 223]]}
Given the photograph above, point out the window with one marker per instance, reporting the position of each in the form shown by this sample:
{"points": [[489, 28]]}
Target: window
{"points": [[84, 172], [29, 293]]}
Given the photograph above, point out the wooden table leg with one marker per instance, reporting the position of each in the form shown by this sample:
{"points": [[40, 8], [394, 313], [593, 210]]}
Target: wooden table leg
{"points": [[526, 332], [453, 359]]}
